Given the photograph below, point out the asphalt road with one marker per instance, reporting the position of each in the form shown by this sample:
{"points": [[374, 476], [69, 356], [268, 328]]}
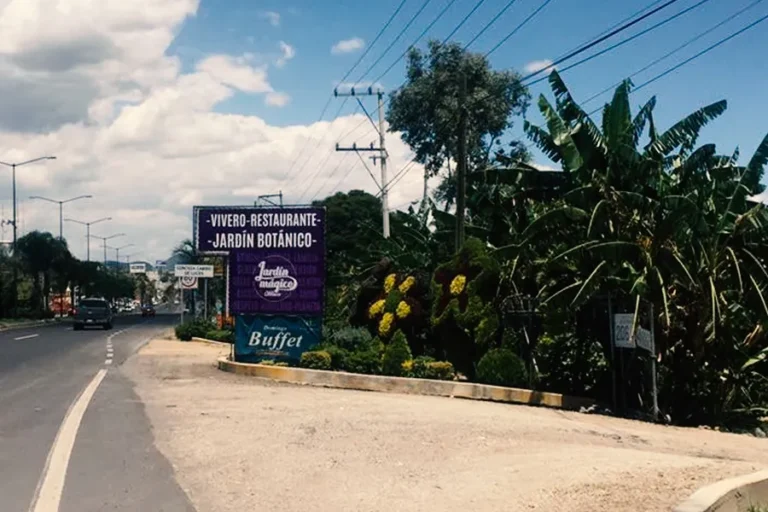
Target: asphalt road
{"points": [[112, 465]]}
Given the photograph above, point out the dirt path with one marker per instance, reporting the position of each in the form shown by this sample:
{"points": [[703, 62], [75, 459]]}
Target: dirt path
{"points": [[239, 443]]}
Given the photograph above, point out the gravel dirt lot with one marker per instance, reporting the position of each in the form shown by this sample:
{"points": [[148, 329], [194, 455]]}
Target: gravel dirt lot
{"points": [[240, 443]]}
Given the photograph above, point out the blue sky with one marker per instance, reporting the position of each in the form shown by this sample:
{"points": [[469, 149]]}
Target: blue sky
{"points": [[733, 71]]}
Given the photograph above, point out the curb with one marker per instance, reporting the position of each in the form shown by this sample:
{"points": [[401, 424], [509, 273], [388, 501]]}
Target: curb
{"points": [[35, 323], [452, 389], [731, 495], [211, 342]]}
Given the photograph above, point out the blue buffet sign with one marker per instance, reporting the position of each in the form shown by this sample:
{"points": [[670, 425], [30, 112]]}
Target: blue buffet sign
{"points": [[279, 338]]}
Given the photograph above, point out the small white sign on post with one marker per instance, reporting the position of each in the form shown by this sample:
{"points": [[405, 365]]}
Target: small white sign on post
{"points": [[193, 271], [188, 283], [644, 339], [622, 330], [138, 268]]}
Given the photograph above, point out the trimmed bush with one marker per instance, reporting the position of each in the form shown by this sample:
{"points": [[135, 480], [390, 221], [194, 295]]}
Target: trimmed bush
{"points": [[396, 353], [183, 332], [439, 370], [502, 367], [316, 360], [221, 335], [338, 356], [367, 362], [351, 338], [419, 367]]}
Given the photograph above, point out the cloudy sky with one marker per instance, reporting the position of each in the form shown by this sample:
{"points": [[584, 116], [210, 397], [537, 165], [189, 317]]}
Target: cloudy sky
{"points": [[153, 106]]}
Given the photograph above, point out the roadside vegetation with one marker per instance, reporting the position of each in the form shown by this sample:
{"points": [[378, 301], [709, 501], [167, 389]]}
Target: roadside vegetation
{"points": [[44, 267], [637, 215]]}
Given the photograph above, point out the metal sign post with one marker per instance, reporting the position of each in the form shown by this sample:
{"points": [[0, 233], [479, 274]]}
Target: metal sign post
{"points": [[181, 300], [654, 390]]}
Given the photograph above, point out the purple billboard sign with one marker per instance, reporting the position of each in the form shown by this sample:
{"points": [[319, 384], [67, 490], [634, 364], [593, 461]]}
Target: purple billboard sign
{"points": [[276, 256]]}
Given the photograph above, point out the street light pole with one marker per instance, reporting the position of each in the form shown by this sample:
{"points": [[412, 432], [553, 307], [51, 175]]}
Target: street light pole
{"points": [[13, 167], [104, 240], [61, 208], [88, 232], [117, 253]]}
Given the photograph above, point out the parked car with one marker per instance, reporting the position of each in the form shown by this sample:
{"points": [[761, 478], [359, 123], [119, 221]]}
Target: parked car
{"points": [[148, 310], [92, 312]]}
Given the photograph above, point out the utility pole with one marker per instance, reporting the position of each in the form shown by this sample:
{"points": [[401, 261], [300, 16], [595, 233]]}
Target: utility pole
{"points": [[104, 240], [461, 168], [381, 150], [266, 200]]}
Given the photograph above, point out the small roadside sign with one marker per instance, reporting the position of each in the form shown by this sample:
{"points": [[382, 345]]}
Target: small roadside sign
{"points": [[195, 271], [188, 283], [644, 339], [138, 268], [622, 330]]}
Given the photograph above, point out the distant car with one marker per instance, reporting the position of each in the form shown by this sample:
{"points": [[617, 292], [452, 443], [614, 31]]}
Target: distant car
{"points": [[148, 310], [92, 312]]}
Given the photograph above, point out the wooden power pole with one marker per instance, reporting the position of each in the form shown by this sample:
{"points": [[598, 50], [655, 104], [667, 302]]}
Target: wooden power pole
{"points": [[461, 167]]}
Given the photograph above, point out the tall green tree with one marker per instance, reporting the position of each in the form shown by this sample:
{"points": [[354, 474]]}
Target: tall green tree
{"points": [[426, 109]]}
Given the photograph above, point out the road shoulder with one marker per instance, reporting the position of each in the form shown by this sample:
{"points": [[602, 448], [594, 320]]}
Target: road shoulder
{"points": [[353, 450]]}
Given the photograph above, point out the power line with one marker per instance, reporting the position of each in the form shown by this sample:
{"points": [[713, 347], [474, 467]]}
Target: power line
{"points": [[342, 179], [462, 22], [330, 98], [701, 53], [518, 27], [378, 36], [627, 40], [674, 51], [490, 23], [423, 33], [320, 140], [600, 39], [397, 38]]}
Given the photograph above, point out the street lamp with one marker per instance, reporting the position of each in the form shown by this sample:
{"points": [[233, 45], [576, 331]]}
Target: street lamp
{"points": [[104, 240], [13, 166], [61, 208], [117, 252], [88, 232]]}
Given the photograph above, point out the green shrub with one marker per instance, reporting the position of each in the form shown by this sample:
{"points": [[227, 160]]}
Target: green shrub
{"points": [[222, 335], [183, 332], [192, 329], [272, 362], [352, 339], [439, 370], [419, 366], [316, 360], [396, 353], [367, 362], [502, 367], [338, 356]]}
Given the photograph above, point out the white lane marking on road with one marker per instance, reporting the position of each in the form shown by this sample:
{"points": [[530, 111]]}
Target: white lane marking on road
{"points": [[55, 472], [27, 337], [108, 361]]}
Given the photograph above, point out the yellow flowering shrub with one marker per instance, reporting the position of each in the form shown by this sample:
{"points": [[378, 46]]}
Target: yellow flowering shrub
{"points": [[389, 282], [458, 284], [385, 325], [407, 367], [403, 309], [376, 308], [407, 284]]}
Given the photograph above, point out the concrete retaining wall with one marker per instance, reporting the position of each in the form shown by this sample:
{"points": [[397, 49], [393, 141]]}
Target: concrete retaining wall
{"points": [[732, 495], [404, 385]]}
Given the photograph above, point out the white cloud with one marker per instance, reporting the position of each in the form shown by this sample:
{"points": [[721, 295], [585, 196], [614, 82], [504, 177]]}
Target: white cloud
{"points": [[236, 72], [287, 53], [277, 99], [538, 65], [347, 46], [272, 17], [143, 137]]}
